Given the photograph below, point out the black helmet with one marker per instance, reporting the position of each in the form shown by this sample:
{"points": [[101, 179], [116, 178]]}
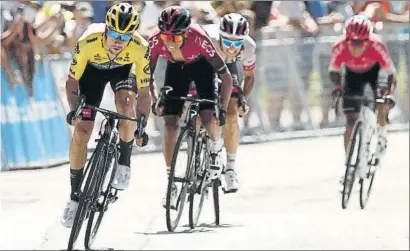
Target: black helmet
{"points": [[122, 18], [174, 20]]}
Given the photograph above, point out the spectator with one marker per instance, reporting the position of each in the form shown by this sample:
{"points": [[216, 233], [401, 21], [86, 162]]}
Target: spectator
{"points": [[304, 26], [19, 39], [393, 16], [330, 25], [83, 14], [149, 17]]}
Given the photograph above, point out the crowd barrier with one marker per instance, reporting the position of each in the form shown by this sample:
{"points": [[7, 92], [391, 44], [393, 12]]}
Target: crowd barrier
{"points": [[33, 129], [286, 82]]}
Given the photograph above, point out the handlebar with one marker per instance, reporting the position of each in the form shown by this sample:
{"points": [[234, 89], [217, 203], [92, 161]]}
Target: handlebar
{"points": [[166, 89], [141, 122]]}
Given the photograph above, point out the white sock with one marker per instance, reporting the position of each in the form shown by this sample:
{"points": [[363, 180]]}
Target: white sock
{"points": [[216, 146], [230, 161]]}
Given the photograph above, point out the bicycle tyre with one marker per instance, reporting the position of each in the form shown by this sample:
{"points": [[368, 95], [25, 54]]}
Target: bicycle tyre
{"points": [[84, 202], [194, 218], [350, 173], [91, 232], [365, 193], [185, 133], [215, 195]]}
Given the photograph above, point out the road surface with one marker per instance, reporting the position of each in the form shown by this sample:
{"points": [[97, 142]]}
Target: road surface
{"points": [[289, 199]]}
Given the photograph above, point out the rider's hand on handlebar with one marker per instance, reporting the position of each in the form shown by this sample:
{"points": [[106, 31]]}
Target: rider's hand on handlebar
{"points": [[222, 116], [338, 91], [141, 141], [244, 108], [157, 111], [70, 119]]}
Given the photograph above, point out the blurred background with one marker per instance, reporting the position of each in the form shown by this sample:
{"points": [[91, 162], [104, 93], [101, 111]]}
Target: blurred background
{"points": [[291, 97]]}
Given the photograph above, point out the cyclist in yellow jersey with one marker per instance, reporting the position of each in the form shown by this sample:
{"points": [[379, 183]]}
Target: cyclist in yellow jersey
{"points": [[112, 52]]}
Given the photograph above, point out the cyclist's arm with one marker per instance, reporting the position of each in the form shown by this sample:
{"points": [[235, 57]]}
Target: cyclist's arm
{"points": [[336, 65], [153, 41], [77, 67], [215, 59], [249, 65], [387, 67], [142, 70]]}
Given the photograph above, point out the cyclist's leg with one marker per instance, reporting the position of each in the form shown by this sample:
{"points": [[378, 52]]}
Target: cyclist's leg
{"points": [[125, 88], [232, 133], [351, 108], [206, 84], [176, 78], [93, 90], [383, 110]]}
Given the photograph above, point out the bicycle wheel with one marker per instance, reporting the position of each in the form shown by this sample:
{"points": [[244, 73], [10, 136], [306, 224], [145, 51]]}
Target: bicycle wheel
{"points": [[365, 189], [185, 138], [215, 195], [354, 147], [101, 206], [201, 184], [86, 197]]}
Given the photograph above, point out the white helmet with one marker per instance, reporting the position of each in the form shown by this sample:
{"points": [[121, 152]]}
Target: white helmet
{"points": [[234, 26]]}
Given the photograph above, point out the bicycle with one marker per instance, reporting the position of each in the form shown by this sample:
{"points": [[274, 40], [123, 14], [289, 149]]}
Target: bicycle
{"points": [[195, 179], [362, 147], [95, 192]]}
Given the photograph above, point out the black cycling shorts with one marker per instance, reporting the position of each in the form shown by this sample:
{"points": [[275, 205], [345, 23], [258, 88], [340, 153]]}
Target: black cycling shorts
{"points": [[93, 82], [179, 76], [355, 84]]}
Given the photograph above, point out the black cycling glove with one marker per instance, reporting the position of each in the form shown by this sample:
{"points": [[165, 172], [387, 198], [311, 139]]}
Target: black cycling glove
{"points": [[69, 117]]}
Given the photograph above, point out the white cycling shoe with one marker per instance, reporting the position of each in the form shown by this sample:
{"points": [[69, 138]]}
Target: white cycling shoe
{"points": [[174, 197], [67, 220], [122, 177], [232, 183]]}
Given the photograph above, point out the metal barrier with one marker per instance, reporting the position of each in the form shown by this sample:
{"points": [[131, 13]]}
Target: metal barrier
{"points": [[291, 82]]}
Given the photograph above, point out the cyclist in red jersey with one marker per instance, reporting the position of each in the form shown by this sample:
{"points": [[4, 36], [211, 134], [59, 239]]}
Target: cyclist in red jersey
{"points": [[191, 57], [366, 60]]}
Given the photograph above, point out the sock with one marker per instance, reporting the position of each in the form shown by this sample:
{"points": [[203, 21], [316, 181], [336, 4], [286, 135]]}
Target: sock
{"points": [[125, 152], [230, 161], [75, 178], [216, 146]]}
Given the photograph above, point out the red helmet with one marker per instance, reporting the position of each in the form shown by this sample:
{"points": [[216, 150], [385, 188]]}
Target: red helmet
{"points": [[174, 20], [358, 27]]}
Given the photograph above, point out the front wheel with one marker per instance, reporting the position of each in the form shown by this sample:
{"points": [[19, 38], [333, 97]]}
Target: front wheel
{"points": [[180, 179], [366, 185], [353, 153], [101, 204], [86, 197]]}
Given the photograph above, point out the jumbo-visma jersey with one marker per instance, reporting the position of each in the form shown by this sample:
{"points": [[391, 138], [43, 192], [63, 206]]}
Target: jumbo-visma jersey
{"points": [[90, 50]]}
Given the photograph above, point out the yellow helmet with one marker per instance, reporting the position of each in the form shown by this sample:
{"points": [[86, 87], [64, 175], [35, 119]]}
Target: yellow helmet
{"points": [[122, 18]]}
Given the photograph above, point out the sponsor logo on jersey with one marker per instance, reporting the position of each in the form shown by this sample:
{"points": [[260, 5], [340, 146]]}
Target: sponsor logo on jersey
{"points": [[91, 40], [127, 57], [145, 80], [207, 46], [72, 72], [74, 62], [153, 41], [77, 49], [147, 54], [147, 69], [97, 57]]}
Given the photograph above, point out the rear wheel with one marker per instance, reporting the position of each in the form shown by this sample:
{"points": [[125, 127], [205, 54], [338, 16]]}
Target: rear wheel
{"points": [[353, 152], [179, 178]]}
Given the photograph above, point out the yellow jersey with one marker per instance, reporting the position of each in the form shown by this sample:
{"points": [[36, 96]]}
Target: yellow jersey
{"points": [[90, 50]]}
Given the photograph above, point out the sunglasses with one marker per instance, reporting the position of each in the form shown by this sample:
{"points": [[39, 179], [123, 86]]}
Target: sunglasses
{"points": [[357, 42], [119, 36], [229, 43], [169, 37]]}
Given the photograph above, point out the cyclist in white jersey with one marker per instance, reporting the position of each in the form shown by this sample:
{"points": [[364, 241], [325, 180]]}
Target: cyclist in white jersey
{"points": [[231, 39]]}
